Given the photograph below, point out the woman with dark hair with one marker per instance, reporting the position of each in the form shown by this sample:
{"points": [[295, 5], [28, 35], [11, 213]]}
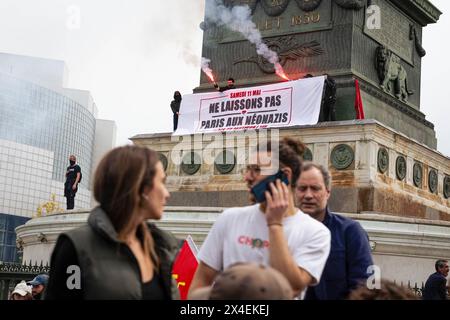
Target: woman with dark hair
{"points": [[118, 254]]}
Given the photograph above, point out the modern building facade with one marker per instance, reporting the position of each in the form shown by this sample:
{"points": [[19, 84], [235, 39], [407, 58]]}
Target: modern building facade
{"points": [[41, 124]]}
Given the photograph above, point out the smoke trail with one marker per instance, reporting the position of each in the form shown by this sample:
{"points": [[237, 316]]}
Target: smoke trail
{"points": [[238, 19], [189, 56], [206, 69]]}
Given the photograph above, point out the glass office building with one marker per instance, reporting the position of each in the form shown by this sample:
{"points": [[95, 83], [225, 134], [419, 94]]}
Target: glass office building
{"points": [[8, 249], [41, 124], [38, 117]]}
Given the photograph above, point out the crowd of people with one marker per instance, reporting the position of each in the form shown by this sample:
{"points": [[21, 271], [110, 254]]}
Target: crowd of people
{"points": [[31, 290], [286, 244]]}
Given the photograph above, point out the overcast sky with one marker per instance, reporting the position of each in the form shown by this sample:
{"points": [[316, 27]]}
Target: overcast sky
{"points": [[133, 54]]}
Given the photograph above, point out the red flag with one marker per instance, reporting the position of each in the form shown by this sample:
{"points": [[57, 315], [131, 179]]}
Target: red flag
{"points": [[358, 102], [184, 266]]}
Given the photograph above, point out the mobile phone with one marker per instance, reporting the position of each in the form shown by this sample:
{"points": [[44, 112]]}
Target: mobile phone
{"points": [[264, 185]]}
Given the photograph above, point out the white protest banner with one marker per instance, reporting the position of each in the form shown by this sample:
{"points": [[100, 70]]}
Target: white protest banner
{"points": [[278, 105]]}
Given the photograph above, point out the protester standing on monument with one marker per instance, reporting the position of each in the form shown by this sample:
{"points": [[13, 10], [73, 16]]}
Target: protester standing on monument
{"points": [[73, 177], [350, 254], [230, 85], [118, 255], [435, 287], [175, 106], [273, 232], [328, 110]]}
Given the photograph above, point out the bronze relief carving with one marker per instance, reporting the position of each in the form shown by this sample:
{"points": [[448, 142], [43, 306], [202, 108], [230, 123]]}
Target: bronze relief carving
{"points": [[307, 155], [393, 76], [383, 160], [433, 181], [191, 163], [417, 175], [232, 3], [308, 5], [274, 8], [287, 49], [225, 162], [446, 187], [342, 156], [163, 160], [351, 4], [400, 168]]}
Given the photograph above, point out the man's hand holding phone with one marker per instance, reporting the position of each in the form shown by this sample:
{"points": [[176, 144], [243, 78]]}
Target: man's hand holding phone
{"points": [[277, 202]]}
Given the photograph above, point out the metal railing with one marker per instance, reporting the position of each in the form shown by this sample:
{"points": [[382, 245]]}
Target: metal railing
{"points": [[12, 273], [418, 291]]}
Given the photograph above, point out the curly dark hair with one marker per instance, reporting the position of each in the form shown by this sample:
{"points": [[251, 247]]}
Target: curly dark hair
{"points": [[290, 154]]}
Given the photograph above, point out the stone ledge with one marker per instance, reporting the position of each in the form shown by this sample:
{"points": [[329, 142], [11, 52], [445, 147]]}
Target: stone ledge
{"points": [[422, 10]]}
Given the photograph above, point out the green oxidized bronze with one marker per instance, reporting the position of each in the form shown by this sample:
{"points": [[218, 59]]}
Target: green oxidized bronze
{"points": [[433, 181], [417, 175], [307, 155], [351, 4], [191, 163], [225, 162], [400, 167], [308, 5], [163, 160], [383, 160], [287, 49], [274, 8], [342, 156], [447, 187], [393, 76], [251, 3]]}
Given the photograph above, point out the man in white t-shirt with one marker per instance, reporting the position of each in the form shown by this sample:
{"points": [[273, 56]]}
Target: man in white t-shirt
{"points": [[273, 232]]}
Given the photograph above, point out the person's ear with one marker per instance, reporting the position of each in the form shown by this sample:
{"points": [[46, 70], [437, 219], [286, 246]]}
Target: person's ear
{"points": [[288, 172]]}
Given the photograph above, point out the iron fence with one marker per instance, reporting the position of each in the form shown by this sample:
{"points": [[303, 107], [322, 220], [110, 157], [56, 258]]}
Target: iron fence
{"points": [[416, 289], [12, 273]]}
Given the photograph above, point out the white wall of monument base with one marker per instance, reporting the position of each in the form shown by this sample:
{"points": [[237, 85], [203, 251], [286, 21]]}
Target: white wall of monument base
{"points": [[405, 249]]}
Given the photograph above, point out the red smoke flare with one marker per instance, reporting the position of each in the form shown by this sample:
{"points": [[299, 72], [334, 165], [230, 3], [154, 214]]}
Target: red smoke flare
{"points": [[210, 76], [280, 72]]}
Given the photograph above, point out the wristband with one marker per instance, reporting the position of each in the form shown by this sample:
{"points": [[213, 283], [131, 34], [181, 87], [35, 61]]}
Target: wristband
{"points": [[275, 224]]}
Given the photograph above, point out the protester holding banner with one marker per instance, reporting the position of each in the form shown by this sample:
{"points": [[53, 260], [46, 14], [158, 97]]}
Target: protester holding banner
{"points": [[230, 85], [273, 232], [117, 255], [279, 105]]}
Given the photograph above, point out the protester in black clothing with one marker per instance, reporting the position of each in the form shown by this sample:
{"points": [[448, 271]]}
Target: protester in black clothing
{"points": [[435, 287], [73, 177], [118, 254], [230, 85], [175, 106], [328, 110]]}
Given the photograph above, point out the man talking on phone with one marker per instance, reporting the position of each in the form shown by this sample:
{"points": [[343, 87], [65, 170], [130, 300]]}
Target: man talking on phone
{"points": [[272, 231]]}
